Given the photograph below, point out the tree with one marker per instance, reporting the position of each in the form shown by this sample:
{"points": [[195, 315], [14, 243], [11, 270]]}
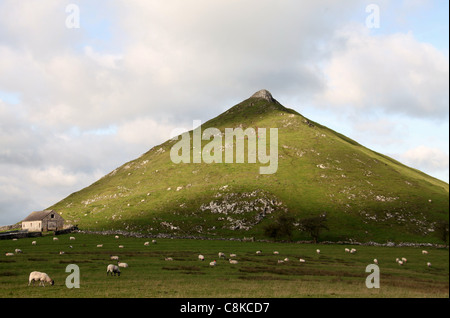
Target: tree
{"points": [[283, 226], [442, 230], [314, 225]]}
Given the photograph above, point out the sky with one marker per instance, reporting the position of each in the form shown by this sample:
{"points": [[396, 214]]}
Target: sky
{"points": [[86, 86]]}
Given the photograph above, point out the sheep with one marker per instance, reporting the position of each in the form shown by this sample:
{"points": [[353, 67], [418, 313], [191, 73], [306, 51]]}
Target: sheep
{"points": [[221, 255], [72, 238], [375, 261], [124, 265], [55, 239], [233, 261], [120, 246], [146, 243], [424, 252], [232, 255], [41, 277], [276, 252], [286, 259], [201, 257], [17, 251], [397, 260], [9, 254], [404, 260], [347, 250], [302, 260], [318, 251], [429, 264], [100, 245], [61, 252], [116, 237], [213, 263], [168, 259], [280, 261], [113, 269], [258, 252], [33, 243], [400, 263], [115, 257], [353, 251], [153, 241]]}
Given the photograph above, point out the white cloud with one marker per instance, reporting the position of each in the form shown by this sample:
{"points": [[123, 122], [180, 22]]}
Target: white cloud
{"points": [[426, 158]]}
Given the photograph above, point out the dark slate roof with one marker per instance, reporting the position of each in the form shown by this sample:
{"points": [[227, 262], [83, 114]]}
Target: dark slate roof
{"points": [[38, 215]]}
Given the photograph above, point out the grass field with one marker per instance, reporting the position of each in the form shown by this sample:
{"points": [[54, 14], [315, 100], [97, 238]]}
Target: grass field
{"points": [[333, 273]]}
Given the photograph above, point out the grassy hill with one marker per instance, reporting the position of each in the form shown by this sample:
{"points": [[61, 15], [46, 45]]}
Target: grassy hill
{"points": [[367, 196]]}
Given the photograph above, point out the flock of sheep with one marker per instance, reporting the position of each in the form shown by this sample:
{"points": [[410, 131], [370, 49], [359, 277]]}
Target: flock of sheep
{"points": [[114, 269]]}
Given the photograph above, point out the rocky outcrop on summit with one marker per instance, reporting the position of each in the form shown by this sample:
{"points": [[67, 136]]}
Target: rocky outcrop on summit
{"points": [[264, 94]]}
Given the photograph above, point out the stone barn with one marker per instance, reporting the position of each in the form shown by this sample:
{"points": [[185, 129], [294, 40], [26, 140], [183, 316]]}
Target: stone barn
{"points": [[42, 221]]}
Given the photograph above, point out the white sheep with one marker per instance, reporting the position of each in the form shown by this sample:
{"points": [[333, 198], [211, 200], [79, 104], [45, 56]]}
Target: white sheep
{"points": [[153, 241], [100, 245], [276, 252], [146, 243], [114, 257], [61, 252], [233, 261], [112, 269], [72, 238], [404, 260], [124, 265], [397, 260], [353, 251], [55, 239], [201, 257], [400, 263], [120, 246], [233, 255], [213, 263], [424, 252], [9, 254], [33, 243], [116, 237], [302, 260], [375, 261], [168, 259], [41, 277], [318, 251], [347, 250], [221, 255], [17, 251], [258, 252], [286, 259], [429, 264], [280, 261]]}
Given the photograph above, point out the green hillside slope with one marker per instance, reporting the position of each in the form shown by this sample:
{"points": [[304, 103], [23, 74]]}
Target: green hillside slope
{"points": [[367, 196]]}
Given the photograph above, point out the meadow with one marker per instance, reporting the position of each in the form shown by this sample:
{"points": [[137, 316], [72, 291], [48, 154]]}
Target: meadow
{"points": [[332, 273]]}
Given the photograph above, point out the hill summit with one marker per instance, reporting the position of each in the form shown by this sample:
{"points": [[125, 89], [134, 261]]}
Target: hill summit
{"points": [[365, 195]]}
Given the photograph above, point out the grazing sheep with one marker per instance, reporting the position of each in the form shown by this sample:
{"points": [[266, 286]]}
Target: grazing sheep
{"points": [[286, 259], [41, 277], [168, 259], [33, 243], [17, 251], [114, 257], [120, 246], [276, 252], [146, 243], [302, 260], [397, 260], [233, 261], [429, 264], [124, 265], [61, 252], [153, 241], [221, 255], [100, 245], [375, 261], [201, 257], [318, 251], [400, 263], [232, 255], [116, 237], [9, 254], [213, 263], [424, 252], [113, 269], [353, 251], [72, 238], [258, 252], [404, 260], [55, 239], [347, 250], [280, 261]]}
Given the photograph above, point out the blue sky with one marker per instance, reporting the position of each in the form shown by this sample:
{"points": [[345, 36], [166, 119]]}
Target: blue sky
{"points": [[77, 103]]}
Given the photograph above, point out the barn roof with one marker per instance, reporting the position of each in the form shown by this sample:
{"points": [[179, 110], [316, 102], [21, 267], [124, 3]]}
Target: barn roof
{"points": [[38, 215]]}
